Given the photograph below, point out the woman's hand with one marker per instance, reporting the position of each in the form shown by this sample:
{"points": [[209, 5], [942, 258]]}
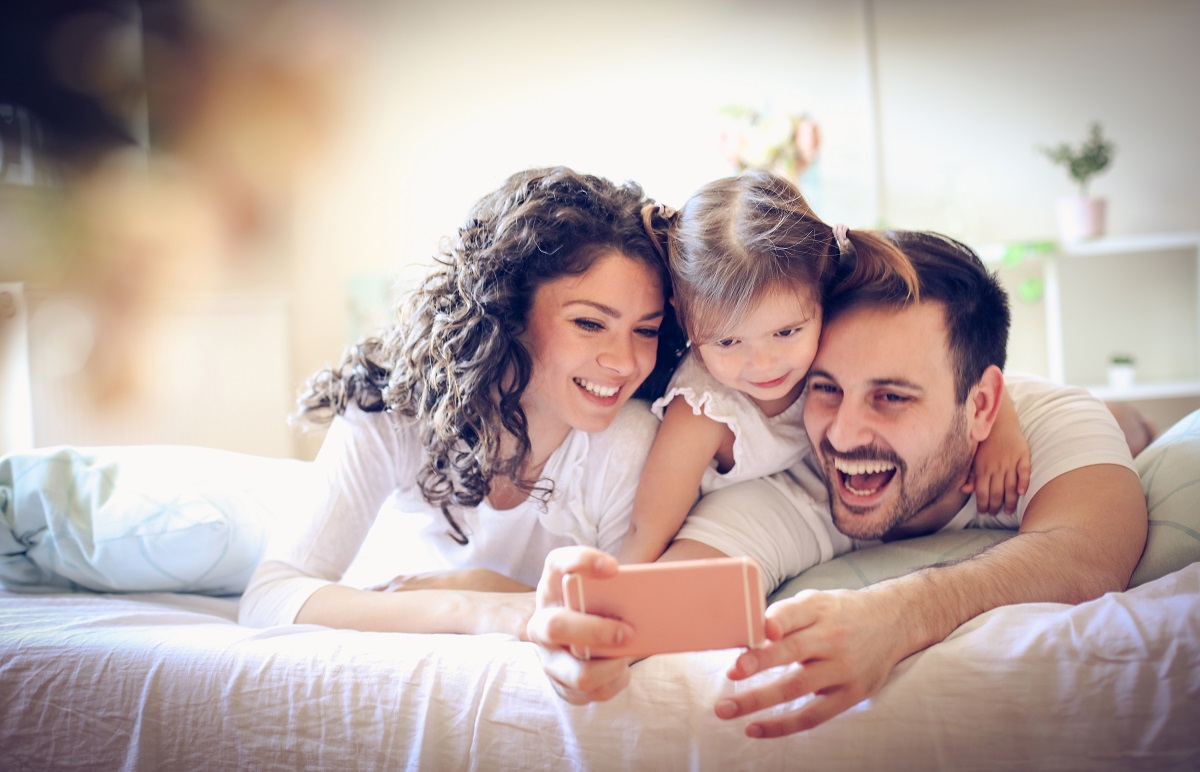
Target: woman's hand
{"points": [[496, 612], [482, 579], [482, 600], [557, 629]]}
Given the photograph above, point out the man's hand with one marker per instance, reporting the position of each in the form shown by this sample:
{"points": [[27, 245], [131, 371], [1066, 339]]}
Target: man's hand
{"points": [[845, 643], [556, 629]]}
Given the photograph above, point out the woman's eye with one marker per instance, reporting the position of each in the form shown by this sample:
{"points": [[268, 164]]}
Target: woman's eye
{"points": [[647, 332], [589, 325]]}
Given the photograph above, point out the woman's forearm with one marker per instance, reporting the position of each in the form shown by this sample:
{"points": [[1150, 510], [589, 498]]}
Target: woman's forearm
{"points": [[418, 611]]}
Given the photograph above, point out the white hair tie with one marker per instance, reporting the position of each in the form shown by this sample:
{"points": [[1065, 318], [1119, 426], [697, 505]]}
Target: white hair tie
{"points": [[841, 234]]}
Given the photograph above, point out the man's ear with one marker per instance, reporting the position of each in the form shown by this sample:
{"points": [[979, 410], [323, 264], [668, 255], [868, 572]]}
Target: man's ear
{"points": [[983, 403]]}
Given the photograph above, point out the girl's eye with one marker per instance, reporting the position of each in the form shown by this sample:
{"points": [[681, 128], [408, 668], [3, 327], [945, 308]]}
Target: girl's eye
{"points": [[589, 325], [726, 343], [788, 333]]}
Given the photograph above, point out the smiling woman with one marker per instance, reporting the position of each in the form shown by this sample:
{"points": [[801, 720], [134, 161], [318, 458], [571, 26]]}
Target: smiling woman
{"points": [[593, 339], [497, 409]]}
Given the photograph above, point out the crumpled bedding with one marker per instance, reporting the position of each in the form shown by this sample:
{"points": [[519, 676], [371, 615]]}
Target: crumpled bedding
{"points": [[170, 681]]}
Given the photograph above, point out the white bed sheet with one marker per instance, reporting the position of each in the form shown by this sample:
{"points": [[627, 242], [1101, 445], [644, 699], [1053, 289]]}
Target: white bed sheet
{"points": [[160, 681]]}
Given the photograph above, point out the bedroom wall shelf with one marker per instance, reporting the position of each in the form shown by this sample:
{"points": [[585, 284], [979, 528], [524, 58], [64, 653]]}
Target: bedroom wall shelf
{"points": [[1134, 294]]}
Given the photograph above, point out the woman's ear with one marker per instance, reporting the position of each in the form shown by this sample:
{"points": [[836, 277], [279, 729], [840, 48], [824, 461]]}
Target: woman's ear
{"points": [[983, 403]]}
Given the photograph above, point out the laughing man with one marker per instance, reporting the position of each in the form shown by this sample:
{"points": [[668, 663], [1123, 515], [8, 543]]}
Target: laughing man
{"points": [[900, 395]]}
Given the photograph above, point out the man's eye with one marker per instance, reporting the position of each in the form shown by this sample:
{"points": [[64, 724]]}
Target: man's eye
{"points": [[588, 324], [895, 398], [824, 388]]}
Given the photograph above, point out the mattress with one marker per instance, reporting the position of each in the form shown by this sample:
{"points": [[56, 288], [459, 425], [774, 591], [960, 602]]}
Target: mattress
{"points": [[170, 681]]}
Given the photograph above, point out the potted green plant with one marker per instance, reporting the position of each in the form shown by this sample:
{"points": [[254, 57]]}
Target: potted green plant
{"points": [[1082, 216], [1120, 372]]}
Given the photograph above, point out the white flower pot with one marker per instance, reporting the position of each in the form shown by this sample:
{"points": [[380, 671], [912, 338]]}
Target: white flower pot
{"points": [[1080, 218], [1120, 377]]}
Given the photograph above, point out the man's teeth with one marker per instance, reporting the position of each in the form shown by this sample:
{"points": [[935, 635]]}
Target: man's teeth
{"points": [[862, 467], [857, 492], [850, 469], [597, 389]]}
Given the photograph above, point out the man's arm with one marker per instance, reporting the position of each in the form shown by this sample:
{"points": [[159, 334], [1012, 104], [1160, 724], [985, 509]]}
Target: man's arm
{"points": [[1081, 536]]}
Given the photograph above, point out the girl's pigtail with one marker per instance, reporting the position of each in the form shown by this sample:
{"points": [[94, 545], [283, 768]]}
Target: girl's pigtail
{"points": [[657, 221], [863, 258]]}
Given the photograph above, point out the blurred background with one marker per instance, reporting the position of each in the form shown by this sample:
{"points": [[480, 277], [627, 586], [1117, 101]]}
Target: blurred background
{"points": [[202, 202]]}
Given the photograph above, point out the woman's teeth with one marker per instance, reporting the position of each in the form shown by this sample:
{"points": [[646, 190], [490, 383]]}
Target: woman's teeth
{"points": [[597, 389]]}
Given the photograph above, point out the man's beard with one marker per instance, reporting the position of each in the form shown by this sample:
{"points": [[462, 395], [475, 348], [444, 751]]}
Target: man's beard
{"points": [[943, 470]]}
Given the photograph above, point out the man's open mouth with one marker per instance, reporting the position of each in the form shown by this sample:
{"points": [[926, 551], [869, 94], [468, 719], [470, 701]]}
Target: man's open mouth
{"points": [[864, 478]]}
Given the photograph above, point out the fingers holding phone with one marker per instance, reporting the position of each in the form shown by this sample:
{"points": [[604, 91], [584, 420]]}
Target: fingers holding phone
{"points": [[686, 605], [555, 629]]}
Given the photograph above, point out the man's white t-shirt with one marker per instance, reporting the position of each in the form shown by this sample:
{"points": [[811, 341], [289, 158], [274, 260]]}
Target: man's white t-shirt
{"points": [[367, 460], [783, 521]]}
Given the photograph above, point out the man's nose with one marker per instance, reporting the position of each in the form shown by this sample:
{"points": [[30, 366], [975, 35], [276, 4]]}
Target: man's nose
{"points": [[849, 427]]}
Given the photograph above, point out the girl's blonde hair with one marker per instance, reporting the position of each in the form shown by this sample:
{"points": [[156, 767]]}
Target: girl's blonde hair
{"points": [[739, 237]]}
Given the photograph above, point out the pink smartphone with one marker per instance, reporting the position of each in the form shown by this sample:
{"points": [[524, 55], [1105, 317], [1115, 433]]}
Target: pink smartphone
{"points": [[683, 605]]}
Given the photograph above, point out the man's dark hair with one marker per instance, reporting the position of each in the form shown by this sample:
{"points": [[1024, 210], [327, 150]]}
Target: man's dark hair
{"points": [[951, 274]]}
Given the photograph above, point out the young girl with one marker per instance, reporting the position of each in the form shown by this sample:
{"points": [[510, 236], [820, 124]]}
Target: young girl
{"points": [[497, 410], [751, 268]]}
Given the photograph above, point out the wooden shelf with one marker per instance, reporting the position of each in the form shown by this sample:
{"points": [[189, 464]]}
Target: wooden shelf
{"points": [[1116, 245], [1163, 390], [1137, 294]]}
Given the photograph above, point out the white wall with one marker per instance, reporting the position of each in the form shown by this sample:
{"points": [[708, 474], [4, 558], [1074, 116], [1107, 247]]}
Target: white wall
{"points": [[458, 96], [969, 89], [16, 404], [455, 95]]}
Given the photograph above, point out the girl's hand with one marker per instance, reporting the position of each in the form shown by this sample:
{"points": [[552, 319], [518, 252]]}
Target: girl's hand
{"points": [[1001, 471]]}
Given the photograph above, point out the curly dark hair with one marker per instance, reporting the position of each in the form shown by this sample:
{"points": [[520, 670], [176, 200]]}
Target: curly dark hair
{"points": [[454, 365]]}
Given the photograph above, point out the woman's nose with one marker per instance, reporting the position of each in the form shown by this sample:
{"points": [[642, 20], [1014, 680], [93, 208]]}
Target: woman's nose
{"points": [[618, 355]]}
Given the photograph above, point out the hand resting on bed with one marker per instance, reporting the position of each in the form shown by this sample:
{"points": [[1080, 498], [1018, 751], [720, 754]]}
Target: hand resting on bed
{"points": [[481, 579]]}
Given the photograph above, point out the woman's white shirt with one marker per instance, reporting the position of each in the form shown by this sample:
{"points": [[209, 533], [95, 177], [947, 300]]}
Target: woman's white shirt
{"points": [[369, 459]]}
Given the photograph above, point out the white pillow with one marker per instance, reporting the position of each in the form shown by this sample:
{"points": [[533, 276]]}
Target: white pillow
{"points": [[139, 518], [1170, 472]]}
